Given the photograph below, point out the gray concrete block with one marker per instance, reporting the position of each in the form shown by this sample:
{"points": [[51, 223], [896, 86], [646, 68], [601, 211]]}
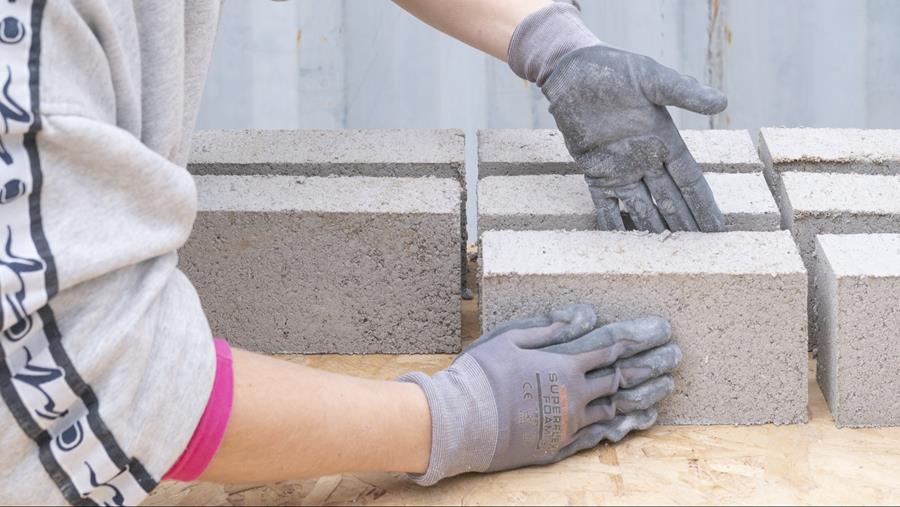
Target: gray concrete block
{"points": [[736, 301], [543, 151], [381, 152], [515, 152], [858, 289], [832, 203], [344, 152], [535, 202], [861, 151], [329, 265], [553, 201], [824, 150]]}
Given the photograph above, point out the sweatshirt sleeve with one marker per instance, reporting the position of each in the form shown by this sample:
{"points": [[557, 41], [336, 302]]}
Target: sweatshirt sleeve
{"points": [[107, 357]]}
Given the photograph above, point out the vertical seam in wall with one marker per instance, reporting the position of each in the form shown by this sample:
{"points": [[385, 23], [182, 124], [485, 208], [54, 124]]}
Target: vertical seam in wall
{"points": [[344, 110], [714, 66]]}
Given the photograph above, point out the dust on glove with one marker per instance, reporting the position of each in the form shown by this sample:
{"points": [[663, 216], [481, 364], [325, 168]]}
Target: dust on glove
{"points": [[610, 106]]}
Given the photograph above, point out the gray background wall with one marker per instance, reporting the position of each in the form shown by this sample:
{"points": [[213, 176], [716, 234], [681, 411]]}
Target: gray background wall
{"points": [[368, 64]]}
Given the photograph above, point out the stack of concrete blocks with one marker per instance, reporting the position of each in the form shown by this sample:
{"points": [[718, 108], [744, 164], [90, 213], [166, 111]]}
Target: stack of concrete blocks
{"points": [[330, 241], [858, 290], [736, 300], [832, 181]]}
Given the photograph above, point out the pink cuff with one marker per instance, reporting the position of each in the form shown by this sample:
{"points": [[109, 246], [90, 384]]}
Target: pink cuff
{"points": [[211, 429]]}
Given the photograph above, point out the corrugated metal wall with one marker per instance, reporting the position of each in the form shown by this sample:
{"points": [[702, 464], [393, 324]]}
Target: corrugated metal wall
{"points": [[368, 64]]}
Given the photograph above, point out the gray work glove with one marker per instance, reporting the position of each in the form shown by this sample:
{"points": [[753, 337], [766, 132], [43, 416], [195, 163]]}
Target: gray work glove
{"points": [[537, 390], [609, 105]]}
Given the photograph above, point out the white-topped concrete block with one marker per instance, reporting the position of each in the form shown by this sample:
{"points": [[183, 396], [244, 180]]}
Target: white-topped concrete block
{"points": [[861, 151], [825, 150]]}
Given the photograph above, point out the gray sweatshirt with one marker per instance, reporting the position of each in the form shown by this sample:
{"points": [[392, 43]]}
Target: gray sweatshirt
{"points": [[107, 358]]}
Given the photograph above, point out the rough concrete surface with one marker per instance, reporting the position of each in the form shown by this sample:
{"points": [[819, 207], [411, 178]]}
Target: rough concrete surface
{"points": [[329, 265], [736, 301], [542, 151], [831, 203], [345, 152], [552, 201], [858, 289], [862, 151], [372, 152], [823, 150]]}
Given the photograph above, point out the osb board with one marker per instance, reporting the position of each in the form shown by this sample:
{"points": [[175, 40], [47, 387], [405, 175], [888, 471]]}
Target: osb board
{"points": [[813, 463]]}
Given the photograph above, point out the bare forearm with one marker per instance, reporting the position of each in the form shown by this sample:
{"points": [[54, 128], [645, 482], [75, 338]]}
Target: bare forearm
{"points": [[290, 421], [484, 24]]}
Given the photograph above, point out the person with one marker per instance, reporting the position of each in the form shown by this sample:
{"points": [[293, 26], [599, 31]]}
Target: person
{"points": [[110, 377]]}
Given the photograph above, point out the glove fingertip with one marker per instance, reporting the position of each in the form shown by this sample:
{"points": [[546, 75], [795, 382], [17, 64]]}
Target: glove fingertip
{"points": [[661, 326], [580, 316], [669, 382], [651, 416], [679, 355], [642, 420], [714, 102], [700, 98], [652, 331]]}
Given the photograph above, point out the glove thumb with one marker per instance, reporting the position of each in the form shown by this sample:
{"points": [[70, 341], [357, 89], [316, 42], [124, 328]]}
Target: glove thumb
{"points": [[666, 87]]}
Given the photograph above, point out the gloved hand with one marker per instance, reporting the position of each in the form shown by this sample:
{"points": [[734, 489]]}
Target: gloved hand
{"points": [[609, 105], [537, 390]]}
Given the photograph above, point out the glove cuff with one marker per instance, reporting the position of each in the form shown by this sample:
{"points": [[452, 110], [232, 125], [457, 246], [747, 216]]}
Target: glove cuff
{"points": [[543, 37], [464, 420]]}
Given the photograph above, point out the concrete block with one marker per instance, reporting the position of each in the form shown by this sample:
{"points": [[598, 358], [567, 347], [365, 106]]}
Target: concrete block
{"points": [[832, 203], [553, 201], [543, 151], [858, 289], [823, 150], [736, 301], [401, 153], [861, 151], [343, 152], [329, 265]]}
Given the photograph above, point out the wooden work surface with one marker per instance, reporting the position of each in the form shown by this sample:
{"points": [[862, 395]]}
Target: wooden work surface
{"points": [[813, 463]]}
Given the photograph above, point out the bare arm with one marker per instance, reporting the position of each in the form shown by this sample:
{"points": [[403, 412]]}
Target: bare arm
{"points": [[289, 421], [484, 24]]}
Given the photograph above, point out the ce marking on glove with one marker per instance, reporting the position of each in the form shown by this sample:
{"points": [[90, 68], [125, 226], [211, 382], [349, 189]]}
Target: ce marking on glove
{"points": [[527, 391], [529, 417]]}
